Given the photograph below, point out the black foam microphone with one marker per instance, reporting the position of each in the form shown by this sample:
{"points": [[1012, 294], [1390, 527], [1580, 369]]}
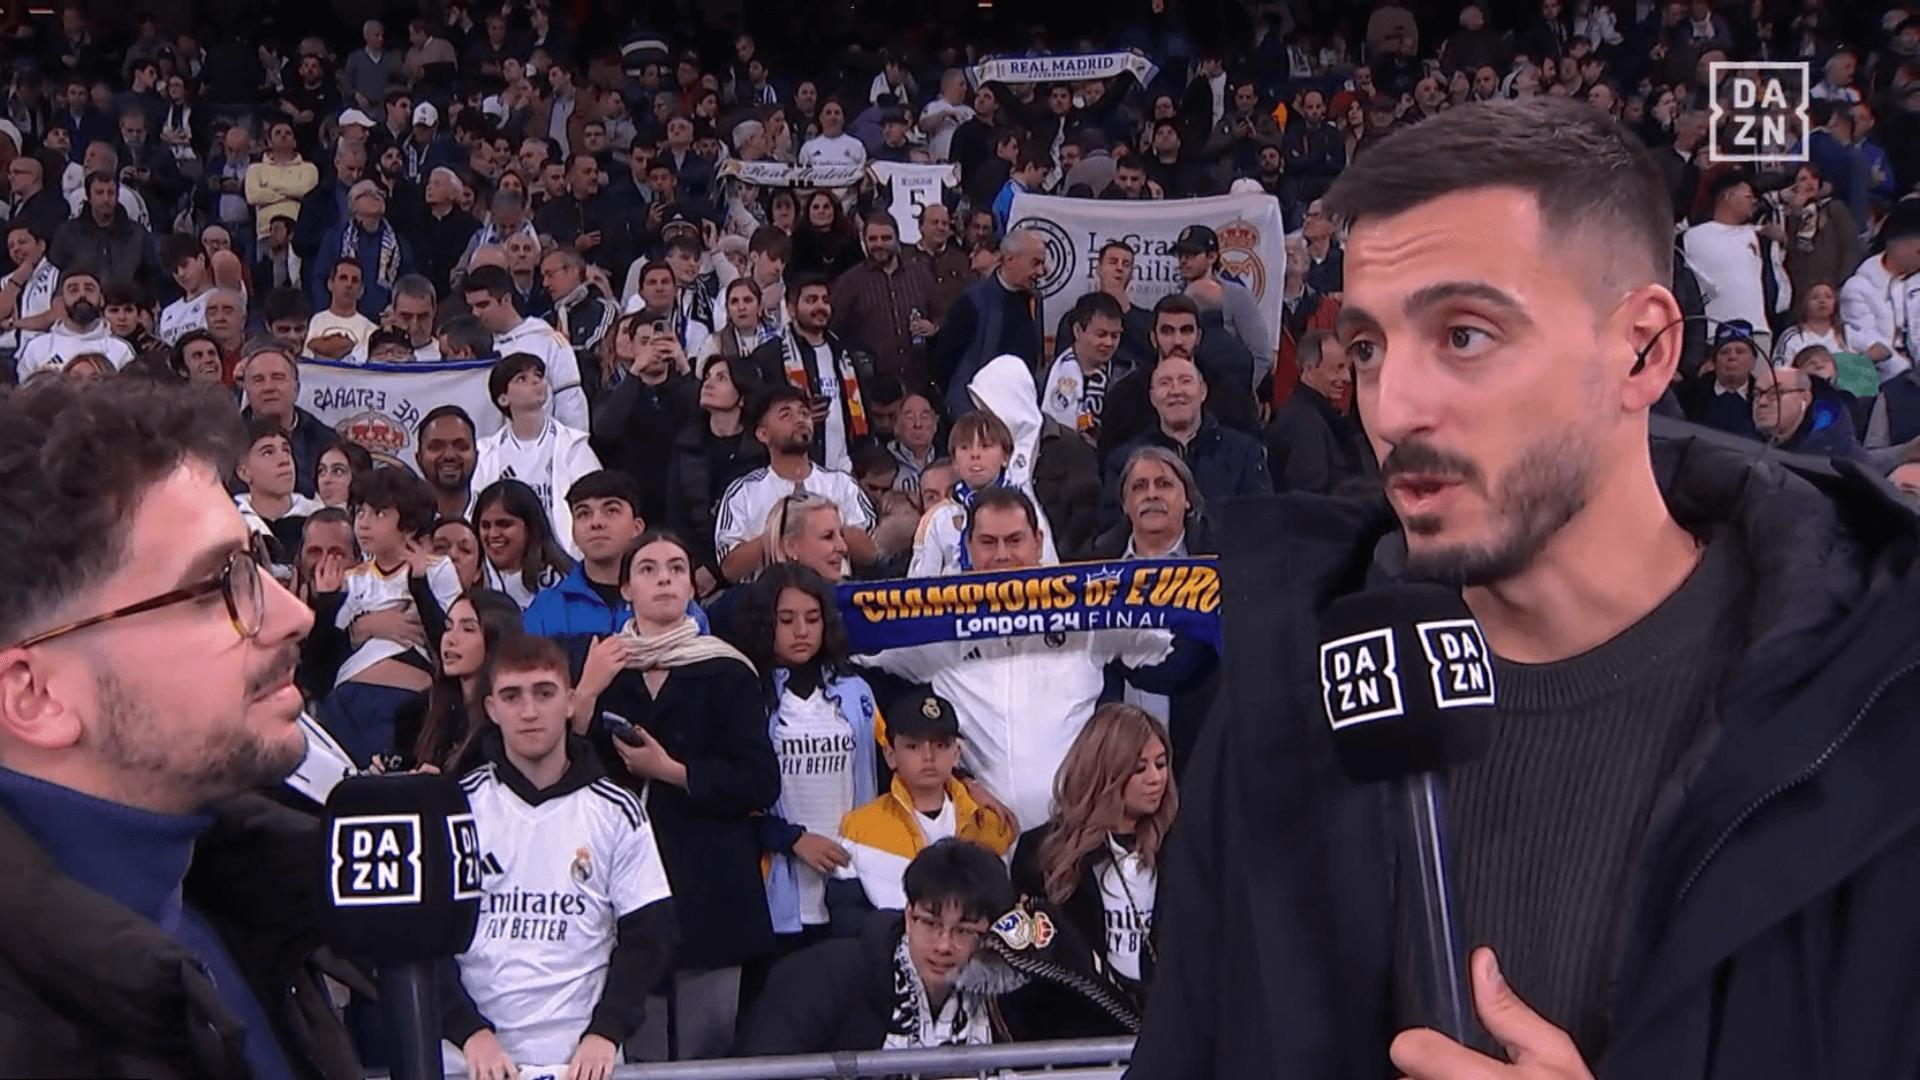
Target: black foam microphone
{"points": [[402, 892], [1407, 684]]}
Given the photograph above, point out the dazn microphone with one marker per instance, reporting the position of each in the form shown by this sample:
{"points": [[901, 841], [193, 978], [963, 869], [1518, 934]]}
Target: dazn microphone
{"points": [[402, 892], [1407, 684]]}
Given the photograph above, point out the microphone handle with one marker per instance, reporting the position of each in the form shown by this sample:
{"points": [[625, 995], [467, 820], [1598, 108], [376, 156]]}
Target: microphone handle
{"points": [[1439, 954], [411, 999]]}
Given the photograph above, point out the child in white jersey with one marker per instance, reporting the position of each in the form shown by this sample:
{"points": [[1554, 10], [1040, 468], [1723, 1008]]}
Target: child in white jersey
{"points": [[532, 447], [576, 916], [393, 514]]}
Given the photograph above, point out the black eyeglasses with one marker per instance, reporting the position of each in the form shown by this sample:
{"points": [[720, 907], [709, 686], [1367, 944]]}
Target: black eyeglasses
{"points": [[238, 583]]}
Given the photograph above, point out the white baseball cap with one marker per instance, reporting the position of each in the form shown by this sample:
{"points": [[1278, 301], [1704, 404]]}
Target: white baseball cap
{"points": [[425, 115], [355, 116]]}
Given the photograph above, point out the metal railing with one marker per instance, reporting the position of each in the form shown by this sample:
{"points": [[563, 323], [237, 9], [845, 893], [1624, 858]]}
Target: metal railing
{"points": [[1107, 1057]]}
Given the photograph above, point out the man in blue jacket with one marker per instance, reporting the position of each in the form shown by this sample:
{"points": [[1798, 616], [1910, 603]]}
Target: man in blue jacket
{"points": [[1690, 848], [587, 603]]}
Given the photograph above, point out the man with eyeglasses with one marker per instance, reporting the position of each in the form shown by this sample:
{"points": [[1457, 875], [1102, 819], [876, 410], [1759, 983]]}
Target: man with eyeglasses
{"points": [[31, 200], [1789, 417], [823, 999], [146, 695]]}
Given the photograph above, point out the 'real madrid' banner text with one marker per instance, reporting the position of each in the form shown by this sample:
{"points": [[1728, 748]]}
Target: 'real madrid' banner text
{"points": [[778, 175], [1253, 246], [1074, 67], [1182, 595], [379, 406]]}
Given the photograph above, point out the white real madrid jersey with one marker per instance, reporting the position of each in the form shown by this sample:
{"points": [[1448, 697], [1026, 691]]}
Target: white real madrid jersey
{"points": [[556, 880]]}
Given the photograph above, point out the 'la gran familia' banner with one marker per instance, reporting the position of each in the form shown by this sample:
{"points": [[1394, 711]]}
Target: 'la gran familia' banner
{"points": [[1182, 595]]}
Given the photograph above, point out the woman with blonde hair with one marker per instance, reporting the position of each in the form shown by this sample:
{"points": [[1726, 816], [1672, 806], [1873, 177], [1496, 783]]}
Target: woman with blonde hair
{"points": [[1097, 859]]}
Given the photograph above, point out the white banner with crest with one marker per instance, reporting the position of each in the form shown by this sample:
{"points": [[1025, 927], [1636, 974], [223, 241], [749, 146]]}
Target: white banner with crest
{"points": [[380, 406], [1253, 248]]}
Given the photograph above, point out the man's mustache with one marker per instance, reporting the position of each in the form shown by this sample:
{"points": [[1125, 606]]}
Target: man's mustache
{"points": [[1425, 459], [285, 663]]}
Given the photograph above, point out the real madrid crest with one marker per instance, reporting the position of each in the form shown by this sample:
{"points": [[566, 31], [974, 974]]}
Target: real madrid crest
{"points": [[582, 868], [930, 708], [1016, 929], [1042, 930]]}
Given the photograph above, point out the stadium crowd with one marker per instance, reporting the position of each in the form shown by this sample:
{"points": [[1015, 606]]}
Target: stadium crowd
{"points": [[616, 618]]}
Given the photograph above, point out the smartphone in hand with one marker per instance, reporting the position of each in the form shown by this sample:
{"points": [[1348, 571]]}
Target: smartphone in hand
{"points": [[621, 728]]}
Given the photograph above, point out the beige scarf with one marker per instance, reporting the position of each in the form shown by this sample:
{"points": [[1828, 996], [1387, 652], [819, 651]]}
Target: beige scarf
{"points": [[682, 645]]}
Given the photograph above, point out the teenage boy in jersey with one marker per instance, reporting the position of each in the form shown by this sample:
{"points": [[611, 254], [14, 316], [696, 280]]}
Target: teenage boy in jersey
{"points": [[186, 260], [559, 969], [533, 447], [926, 804], [393, 513], [587, 603], [267, 470]]}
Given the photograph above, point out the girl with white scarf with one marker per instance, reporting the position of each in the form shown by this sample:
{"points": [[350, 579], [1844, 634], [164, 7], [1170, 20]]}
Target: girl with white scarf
{"points": [[682, 720]]}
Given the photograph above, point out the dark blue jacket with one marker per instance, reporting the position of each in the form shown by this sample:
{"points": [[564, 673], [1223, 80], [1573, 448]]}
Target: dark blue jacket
{"points": [[374, 297], [572, 613], [1225, 463], [1771, 933], [1826, 431]]}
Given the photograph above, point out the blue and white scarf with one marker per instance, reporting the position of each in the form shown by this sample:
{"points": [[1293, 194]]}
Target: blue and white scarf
{"points": [[387, 269]]}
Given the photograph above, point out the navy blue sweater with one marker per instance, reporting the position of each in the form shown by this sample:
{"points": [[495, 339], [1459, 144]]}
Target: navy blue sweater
{"points": [[140, 859]]}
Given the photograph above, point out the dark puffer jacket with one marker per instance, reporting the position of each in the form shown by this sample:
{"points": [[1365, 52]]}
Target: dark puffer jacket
{"points": [[1773, 932], [88, 988]]}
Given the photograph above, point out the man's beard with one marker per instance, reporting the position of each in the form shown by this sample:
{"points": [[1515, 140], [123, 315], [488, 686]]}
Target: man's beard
{"points": [[1548, 486], [799, 442], [83, 313], [224, 762]]}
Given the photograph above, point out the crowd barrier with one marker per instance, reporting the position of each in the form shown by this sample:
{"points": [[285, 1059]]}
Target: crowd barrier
{"points": [[1067, 1059]]}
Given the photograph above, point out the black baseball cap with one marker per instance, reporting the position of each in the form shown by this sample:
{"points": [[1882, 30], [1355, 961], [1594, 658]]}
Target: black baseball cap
{"points": [[1195, 240], [923, 714]]}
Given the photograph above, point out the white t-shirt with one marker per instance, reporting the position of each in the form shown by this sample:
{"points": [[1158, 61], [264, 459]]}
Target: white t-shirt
{"points": [[531, 463], [841, 149], [557, 879], [356, 326], [513, 585], [913, 188], [940, 143], [302, 506], [1127, 890], [55, 348], [1726, 259], [815, 750], [748, 501], [181, 316], [36, 298], [370, 590]]}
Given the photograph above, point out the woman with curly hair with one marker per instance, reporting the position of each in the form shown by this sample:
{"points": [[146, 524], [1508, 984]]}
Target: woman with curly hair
{"points": [[1097, 858], [821, 721]]}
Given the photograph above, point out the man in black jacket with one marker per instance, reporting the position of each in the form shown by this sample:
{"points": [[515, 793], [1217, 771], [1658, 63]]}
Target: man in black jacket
{"points": [[916, 979], [1692, 840], [1226, 463], [999, 316], [1180, 328], [156, 920], [1310, 445]]}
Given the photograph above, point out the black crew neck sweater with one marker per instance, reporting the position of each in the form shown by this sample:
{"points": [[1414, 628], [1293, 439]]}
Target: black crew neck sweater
{"points": [[1544, 829]]}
